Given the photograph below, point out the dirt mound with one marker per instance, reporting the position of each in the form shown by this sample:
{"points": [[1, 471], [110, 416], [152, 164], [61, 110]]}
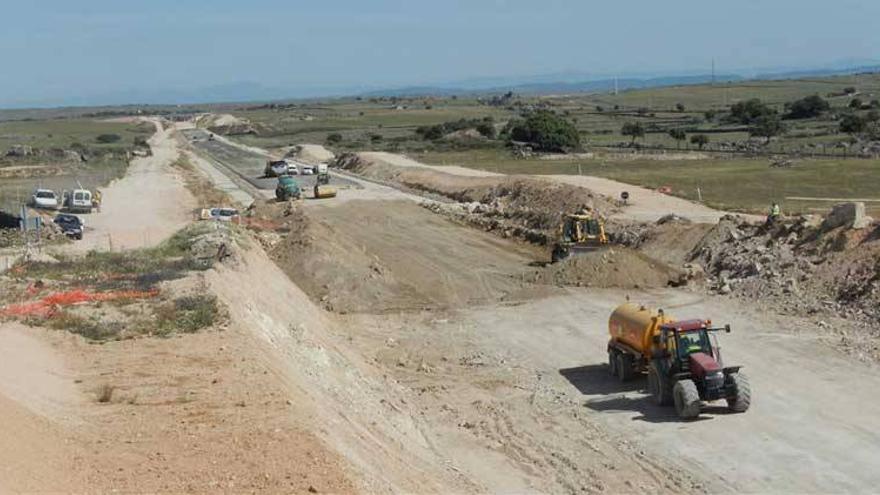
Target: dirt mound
{"points": [[801, 268], [225, 124], [520, 201], [310, 153], [382, 256], [617, 267]]}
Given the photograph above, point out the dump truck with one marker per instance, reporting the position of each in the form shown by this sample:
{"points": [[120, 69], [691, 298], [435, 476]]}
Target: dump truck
{"points": [[578, 233], [323, 189], [682, 359], [287, 188]]}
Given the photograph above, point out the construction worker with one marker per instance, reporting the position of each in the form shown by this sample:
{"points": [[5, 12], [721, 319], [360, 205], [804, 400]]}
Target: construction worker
{"points": [[774, 214], [97, 200]]}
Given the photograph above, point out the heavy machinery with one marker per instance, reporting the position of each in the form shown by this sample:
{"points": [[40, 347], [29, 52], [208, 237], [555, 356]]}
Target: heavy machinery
{"points": [[681, 357], [323, 189], [287, 188], [579, 233], [276, 168]]}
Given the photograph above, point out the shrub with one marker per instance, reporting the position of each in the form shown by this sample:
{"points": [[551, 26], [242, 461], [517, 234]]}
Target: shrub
{"points": [[700, 140], [750, 111], [852, 124], [855, 103], [334, 138], [633, 129], [483, 126], [710, 114], [679, 107], [546, 131], [108, 138], [807, 107], [767, 126]]}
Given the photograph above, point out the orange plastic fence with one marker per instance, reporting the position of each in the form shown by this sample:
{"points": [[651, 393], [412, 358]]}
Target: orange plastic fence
{"points": [[48, 305]]}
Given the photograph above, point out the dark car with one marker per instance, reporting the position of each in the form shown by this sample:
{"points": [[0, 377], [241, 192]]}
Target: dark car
{"points": [[70, 225]]}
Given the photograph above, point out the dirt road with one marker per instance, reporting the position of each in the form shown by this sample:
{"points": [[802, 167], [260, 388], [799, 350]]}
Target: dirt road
{"points": [[143, 208], [644, 205], [527, 381]]}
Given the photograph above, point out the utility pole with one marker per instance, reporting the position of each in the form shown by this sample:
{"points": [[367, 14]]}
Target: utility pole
{"points": [[615, 85], [713, 72]]}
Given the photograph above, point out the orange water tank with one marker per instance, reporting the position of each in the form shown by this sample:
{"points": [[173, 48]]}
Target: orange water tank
{"points": [[635, 325]]}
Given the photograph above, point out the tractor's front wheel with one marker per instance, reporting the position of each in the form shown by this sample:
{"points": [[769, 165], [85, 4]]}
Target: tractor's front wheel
{"points": [[687, 399], [741, 397]]}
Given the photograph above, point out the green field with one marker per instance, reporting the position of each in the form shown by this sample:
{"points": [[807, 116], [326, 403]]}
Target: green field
{"points": [[597, 116], [748, 185], [106, 161]]}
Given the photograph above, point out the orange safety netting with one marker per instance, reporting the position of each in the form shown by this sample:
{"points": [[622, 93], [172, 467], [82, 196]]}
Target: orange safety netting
{"points": [[48, 305]]}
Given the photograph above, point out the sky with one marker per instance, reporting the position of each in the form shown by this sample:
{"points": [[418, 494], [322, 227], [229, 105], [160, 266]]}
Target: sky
{"points": [[64, 51]]}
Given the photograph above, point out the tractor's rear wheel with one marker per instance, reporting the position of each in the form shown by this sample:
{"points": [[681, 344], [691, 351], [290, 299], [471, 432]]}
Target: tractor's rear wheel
{"points": [[658, 387], [687, 399], [624, 367], [742, 393], [612, 362]]}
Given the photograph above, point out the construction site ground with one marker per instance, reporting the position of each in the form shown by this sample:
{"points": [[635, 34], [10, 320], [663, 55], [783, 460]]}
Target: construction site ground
{"points": [[373, 345]]}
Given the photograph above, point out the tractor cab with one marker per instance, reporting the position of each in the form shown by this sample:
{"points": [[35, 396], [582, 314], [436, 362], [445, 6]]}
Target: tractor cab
{"points": [[681, 339]]}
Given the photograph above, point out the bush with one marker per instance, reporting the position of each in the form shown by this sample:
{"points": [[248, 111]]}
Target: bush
{"points": [[108, 138], [677, 134], [679, 107], [188, 314], [855, 103], [710, 115], [750, 111], [433, 132], [808, 107], [545, 131], [633, 129], [849, 90], [700, 140], [767, 126], [486, 129], [852, 124], [334, 138]]}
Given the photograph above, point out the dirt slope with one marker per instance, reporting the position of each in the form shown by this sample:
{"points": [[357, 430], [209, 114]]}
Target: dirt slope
{"points": [[380, 256]]}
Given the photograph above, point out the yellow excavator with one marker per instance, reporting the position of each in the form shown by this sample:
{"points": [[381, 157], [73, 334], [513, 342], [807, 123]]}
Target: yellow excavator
{"points": [[579, 233]]}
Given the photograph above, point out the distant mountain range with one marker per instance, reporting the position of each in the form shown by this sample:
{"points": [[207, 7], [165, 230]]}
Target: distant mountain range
{"points": [[608, 84], [560, 83]]}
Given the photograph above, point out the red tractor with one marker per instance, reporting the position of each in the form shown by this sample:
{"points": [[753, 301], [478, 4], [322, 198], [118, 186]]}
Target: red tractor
{"points": [[682, 360]]}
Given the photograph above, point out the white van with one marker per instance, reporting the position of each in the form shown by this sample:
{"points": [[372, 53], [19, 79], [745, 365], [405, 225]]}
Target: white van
{"points": [[78, 201]]}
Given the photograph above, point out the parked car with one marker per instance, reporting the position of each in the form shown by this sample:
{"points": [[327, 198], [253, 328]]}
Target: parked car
{"points": [[292, 169], [308, 170], [77, 201], [224, 214], [70, 225], [44, 198]]}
